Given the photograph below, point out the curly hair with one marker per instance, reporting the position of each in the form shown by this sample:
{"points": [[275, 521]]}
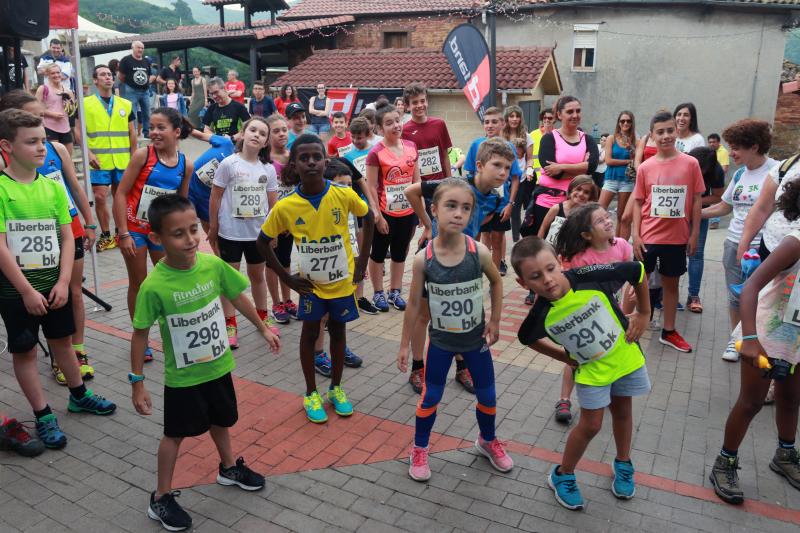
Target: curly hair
{"points": [[789, 201], [749, 132]]}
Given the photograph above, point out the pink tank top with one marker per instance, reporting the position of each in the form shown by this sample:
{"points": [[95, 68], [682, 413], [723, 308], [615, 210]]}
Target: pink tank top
{"points": [[565, 153], [54, 102]]}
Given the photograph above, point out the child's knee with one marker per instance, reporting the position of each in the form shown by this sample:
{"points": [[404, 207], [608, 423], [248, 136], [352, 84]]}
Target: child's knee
{"points": [[590, 425], [486, 397], [431, 396]]}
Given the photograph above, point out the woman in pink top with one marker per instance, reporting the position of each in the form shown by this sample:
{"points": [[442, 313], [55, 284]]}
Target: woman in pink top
{"points": [[391, 167], [563, 153], [56, 99]]}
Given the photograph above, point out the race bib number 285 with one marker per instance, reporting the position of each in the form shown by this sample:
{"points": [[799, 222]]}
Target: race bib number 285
{"points": [[34, 243]]}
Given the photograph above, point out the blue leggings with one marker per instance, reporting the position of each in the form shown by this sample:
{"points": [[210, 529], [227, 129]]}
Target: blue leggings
{"points": [[437, 365]]}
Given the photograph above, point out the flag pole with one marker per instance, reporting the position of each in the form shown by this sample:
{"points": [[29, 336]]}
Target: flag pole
{"points": [[492, 22]]}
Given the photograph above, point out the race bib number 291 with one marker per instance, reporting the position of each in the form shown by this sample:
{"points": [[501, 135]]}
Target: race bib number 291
{"points": [[588, 333]]}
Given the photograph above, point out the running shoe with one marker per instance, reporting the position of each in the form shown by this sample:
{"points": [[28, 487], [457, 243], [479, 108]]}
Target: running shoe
{"points": [[91, 403], [167, 511], [49, 433], [15, 438], [563, 413], [233, 335], [314, 410], [465, 379], [714, 224], [351, 359], [417, 380], [105, 242], [148, 354], [87, 370], [503, 267], [279, 314], [366, 306], [786, 462], [397, 300], [675, 340], [241, 476], [623, 486], [565, 488], [418, 467], [725, 479], [379, 299], [341, 405], [496, 453], [291, 308], [680, 307], [58, 374], [731, 354], [322, 364]]}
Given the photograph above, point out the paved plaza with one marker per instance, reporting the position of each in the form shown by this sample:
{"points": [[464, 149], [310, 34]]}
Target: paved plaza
{"points": [[351, 474]]}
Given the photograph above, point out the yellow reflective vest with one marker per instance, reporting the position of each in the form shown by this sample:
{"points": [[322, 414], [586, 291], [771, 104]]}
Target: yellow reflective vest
{"points": [[107, 133], [536, 137]]}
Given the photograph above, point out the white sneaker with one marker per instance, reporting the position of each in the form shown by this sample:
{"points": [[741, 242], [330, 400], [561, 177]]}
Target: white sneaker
{"points": [[730, 353]]}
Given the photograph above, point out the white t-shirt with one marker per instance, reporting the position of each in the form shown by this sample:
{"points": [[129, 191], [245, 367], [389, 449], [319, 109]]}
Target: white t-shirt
{"points": [[742, 193], [244, 203], [601, 167], [777, 227], [690, 143]]}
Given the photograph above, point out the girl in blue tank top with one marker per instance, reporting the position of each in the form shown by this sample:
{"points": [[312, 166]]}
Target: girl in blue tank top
{"points": [[449, 275]]}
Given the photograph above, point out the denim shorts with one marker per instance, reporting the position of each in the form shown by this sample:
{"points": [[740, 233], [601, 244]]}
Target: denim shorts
{"points": [[141, 239], [637, 383], [319, 129], [733, 271], [616, 186]]}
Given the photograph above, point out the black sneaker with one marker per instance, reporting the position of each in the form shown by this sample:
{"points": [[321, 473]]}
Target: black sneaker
{"points": [[167, 511], [725, 479], [240, 475], [366, 306], [503, 267]]}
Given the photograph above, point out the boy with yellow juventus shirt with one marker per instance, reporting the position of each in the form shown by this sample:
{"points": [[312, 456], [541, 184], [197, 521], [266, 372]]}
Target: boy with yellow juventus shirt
{"points": [[317, 215]]}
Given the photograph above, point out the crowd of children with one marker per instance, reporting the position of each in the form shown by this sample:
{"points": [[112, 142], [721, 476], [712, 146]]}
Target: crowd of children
{"points": [[321, 219]]}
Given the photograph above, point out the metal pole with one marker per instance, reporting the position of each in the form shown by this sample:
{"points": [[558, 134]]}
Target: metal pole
{"points": [[254, 71], [76, 52], [492, 20]]}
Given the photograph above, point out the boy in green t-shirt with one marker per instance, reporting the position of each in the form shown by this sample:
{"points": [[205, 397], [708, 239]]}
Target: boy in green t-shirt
{"points": [[36, 254], [183, 294], [576, 320]]}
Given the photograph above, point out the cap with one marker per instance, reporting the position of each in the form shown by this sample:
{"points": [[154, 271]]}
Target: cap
{"points": [[293, 108]]}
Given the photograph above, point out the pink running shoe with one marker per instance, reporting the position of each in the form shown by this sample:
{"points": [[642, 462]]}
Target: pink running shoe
{"points": [[494, 451], [419, 470]]}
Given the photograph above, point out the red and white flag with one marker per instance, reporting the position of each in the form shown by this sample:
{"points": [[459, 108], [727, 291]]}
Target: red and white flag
{"points": [[64, 14]]}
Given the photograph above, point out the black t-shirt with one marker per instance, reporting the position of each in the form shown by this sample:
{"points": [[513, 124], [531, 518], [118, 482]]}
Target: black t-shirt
{"points": [[226, 120], [716, 182], [136, 71], [168, 74], [264, 108]]}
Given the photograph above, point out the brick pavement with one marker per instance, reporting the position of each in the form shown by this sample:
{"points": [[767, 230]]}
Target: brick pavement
{"points": [[350, 475]]}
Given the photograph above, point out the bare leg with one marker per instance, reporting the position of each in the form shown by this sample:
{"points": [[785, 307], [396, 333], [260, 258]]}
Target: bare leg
{"points": [[670, 286], [623, 228], [167, 456], [376, 275], [222, 439], [338, 332], [272, 285], [101, 206], [137, 271], [66, 360], [258, 285], [787, 398], [78, 307], [567, 383], [622, 422], [27, 374], [396, 275], [308, 336], [227, 306], [605, 198], [589, 424]]}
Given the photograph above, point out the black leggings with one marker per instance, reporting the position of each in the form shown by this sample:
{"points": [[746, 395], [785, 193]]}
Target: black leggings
{"points": [[524, 195], [401, 229]]}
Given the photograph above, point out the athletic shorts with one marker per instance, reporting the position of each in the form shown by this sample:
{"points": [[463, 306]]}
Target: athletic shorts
{"points": [[283, 250], [78, 232], [232, 251], [669, 258], [191, 411], [496, 225], [200, 196], [401, 229], [105, 177], [22, 328], [733, 271], [313, 308], [63, 138], [616, 186], [141, 239], [637, 383]]}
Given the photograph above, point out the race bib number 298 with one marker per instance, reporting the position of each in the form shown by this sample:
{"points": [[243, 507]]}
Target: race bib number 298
{"points": [[198, 336]]}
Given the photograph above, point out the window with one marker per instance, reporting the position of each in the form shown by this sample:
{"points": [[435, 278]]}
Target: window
{"points": [[584, 47], [395, 39]]}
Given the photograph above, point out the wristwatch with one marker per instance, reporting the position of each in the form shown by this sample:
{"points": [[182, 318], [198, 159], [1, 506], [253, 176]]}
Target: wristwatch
{"points": [[134, 378]]}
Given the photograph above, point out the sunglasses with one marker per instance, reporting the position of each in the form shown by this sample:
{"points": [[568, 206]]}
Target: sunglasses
{"points": [[625, 121], [548, 118]]}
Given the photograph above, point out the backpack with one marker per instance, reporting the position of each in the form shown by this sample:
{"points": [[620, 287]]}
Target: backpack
{"points": [[786, 166]]}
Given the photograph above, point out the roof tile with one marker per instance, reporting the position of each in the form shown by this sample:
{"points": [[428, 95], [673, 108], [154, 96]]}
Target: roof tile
{"points": [[327, 8]]}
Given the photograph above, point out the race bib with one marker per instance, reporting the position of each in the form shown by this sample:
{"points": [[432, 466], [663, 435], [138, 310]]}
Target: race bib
{"points": [[791, 314], [668, 201], [429, 162], [344, 149], [396, 200], [34, 243], [59, 177], [206, 173], [456, 307], [361, 164], [284, 191], [352, 226], [149, 193], [198, 336], [249, 200], [588, 333], [555, 227], [323, 262]]}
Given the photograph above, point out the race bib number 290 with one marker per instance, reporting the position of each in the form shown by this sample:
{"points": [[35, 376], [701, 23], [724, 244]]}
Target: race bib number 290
{"points": [[198, 336], [589, 333], [33, 243]]}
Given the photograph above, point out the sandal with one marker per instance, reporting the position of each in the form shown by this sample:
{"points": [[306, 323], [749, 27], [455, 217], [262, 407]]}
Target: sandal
{"points": [[694, 305]]}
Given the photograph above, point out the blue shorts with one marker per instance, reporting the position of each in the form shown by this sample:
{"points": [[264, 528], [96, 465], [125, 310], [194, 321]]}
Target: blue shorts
{"points": [[200, 196], [637, 383], [313, 308], [106, 177], [140, 239]]}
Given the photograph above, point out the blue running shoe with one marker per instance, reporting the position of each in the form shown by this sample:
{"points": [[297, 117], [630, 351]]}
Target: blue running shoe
{"points": [[91, 403], [623, 487], [341, 404], [314, 410], [566, 489], [396, 300], [148, 354], [379, 299], [351, 359], [49, 433], [322, 364]]}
